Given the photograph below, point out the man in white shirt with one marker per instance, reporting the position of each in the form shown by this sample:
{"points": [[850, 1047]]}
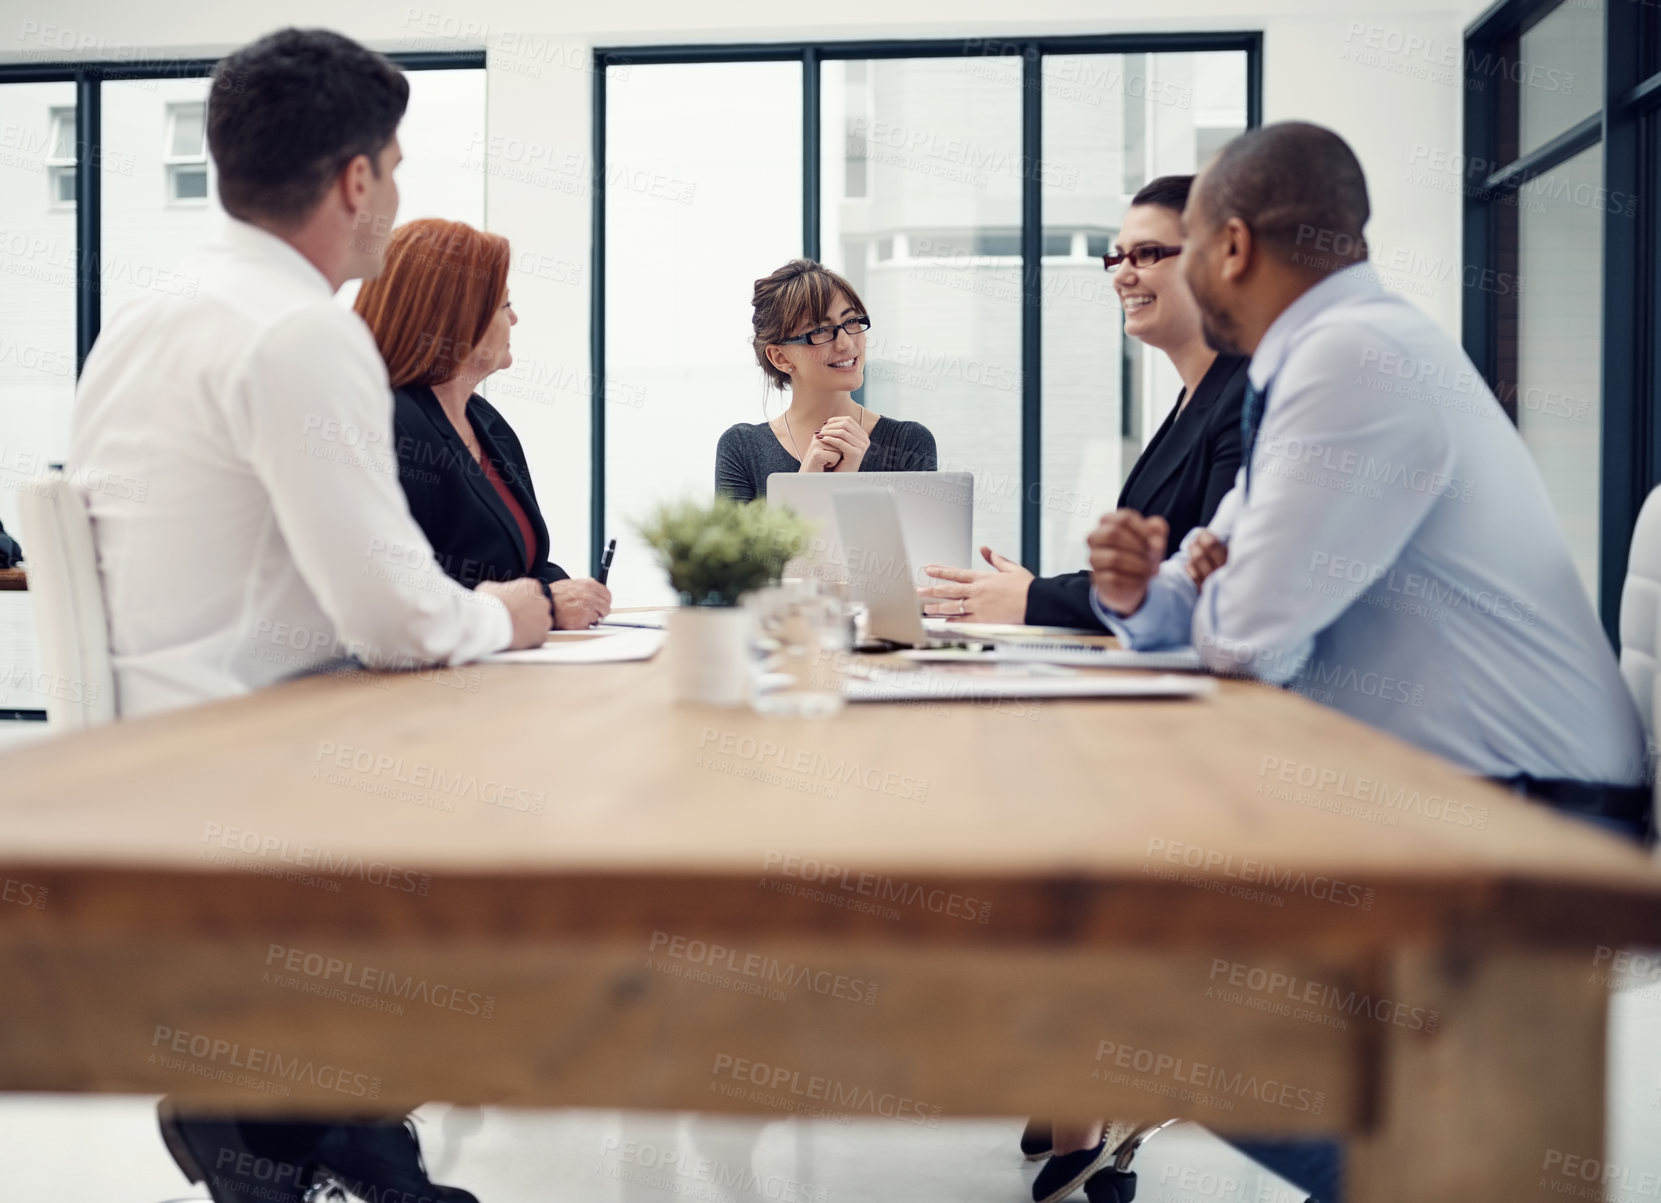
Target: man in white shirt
{"points": [[272, 535], [1389, 547]]}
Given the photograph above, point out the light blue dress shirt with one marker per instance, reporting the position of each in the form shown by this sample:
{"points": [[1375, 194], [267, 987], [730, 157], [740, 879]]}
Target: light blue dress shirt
{"points": [[1397, 557]]}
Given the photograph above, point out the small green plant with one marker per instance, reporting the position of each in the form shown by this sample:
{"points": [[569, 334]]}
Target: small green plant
{"points": [[715, 552]]}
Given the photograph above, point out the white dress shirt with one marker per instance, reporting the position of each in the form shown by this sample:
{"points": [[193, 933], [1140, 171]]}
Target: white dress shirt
{"points": [[1396, 555], [266, 533]]}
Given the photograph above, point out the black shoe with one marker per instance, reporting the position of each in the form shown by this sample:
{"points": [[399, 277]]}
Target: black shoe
{"points": [[373, 1160], [1036, 1141], [1064, 1174], [215, 1151], [1111, 1186]]}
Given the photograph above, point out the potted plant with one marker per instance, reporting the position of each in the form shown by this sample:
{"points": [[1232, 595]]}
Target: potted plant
{"points": [[715, 552]]}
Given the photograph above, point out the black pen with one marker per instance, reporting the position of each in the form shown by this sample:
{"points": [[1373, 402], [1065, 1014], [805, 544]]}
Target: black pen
{"points": [[605, 562]]}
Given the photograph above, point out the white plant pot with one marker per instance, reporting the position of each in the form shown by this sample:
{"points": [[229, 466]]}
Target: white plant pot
{"points": [[709, 654]]}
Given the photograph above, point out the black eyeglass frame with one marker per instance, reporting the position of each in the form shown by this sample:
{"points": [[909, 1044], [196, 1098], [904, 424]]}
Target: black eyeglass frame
{"points": [[853, 326], [1139, 256]]}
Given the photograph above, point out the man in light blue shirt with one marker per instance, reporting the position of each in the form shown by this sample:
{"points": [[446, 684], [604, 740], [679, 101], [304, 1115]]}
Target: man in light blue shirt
{"points": [[1389, 548]]}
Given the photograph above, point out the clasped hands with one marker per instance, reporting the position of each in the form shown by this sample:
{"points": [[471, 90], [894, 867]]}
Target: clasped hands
{"points": [[838, 446], [1126, 550]]}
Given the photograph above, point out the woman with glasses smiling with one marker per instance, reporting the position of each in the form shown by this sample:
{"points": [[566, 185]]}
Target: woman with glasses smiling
{"points": [[809, 338], [1188, 465]]}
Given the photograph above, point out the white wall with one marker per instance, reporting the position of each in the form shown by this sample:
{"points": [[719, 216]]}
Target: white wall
{"points": [[1384, 74]]}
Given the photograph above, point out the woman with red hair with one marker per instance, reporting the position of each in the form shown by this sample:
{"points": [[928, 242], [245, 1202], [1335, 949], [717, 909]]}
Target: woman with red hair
{"points": [[441, 317]]}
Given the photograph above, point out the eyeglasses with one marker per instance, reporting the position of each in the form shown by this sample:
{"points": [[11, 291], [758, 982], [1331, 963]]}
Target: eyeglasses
{"points": [[827, 334], [1140, 256]]}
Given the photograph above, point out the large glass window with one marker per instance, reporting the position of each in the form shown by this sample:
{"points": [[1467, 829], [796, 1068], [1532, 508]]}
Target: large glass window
{"points": [[1558, 74], [60, 159], [1562, 292], [933, 245], [1111, 124], [928, 170], [1551, 372], [152, 134], [160, 205], [703, 198], [187, 154], [37, 281]]}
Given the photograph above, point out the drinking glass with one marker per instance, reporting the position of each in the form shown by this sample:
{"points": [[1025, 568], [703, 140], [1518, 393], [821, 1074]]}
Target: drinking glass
{"points": [[801, 643]]}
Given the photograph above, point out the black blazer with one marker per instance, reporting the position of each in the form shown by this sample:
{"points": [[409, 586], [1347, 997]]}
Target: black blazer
{"points": [[471, 529], [1183, 473]]}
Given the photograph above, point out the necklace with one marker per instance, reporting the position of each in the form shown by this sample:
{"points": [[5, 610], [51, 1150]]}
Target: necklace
{"points": [[785, 418], [472, 445]]}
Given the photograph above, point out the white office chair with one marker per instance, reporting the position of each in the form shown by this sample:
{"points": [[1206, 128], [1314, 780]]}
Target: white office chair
{"points": [[68, 605], [1641, 611], [1641, 619]]}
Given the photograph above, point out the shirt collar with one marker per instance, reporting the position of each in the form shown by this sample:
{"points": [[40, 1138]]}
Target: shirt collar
{"points": [[1352, 281], [280, 254]]}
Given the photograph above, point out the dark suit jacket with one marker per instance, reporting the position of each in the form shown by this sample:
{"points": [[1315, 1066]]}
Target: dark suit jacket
{"points": [[1182, 475], [472, 532]]}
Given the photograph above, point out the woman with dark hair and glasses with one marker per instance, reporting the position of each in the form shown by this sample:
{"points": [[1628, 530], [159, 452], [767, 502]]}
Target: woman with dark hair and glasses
{"points": [[1188, 465], [809, 338]]}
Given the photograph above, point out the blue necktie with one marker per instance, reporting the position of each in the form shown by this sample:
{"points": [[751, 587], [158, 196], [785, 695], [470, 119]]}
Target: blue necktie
{"points": [[1251, 417]]}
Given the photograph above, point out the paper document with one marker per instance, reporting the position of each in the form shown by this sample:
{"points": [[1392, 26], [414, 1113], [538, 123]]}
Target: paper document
{"points": [[1004, 630], [1184, 659], [19, 655], [652, 619], [925, 685], [587, 647]]}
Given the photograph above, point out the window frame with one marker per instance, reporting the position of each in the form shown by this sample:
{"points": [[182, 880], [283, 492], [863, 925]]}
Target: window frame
{"points": [[89, 78], [57, 165], [1627, 124], [811, 55], [172, 161]]}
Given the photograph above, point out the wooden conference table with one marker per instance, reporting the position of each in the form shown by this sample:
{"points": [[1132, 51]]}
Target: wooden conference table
{"points": [[553, 886]]}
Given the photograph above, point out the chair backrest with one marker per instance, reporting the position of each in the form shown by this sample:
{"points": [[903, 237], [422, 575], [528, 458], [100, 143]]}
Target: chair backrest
{"points": [[68, 604], [1641, 610]]}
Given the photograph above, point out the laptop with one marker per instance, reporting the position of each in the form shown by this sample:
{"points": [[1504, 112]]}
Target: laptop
{"points": [[935, 509], [879, 570], [880, 577]]}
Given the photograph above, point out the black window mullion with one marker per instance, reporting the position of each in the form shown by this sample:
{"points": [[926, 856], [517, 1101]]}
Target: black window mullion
{"points": [[1626, 464], [1647, 358], [1032, 267], [1562, 148], [1478, 320], [810, 154], [1642, 96], [88, 201], [597, 321]]}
